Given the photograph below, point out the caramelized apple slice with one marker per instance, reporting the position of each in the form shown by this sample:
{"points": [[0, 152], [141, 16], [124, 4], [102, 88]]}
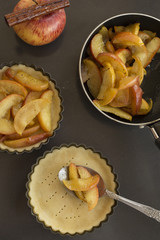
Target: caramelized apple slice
{"points": [[152, 48], [145, 107], [16, 108], [6, 126], [10, 73], [45, 115], [7, 103], [136, 98], [126, 39], [114, 60], [32, 95], [104, 32], [91, 74], [122, 98], [109, 95], [141, 53], [27, 141], [73, 174], [128, 82], [90, 196], [27, 113], [10, 87], [97, 45], [124, 54], [82, 184], [137, 69], [108, 80], [116, 111], [133, 28], [31, 82], [144, 36], [109, 47]]}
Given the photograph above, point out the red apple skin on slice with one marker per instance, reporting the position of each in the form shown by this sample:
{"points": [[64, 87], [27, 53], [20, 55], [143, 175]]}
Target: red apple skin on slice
{"points": [[41, 30], [7, 103], [27, 141], [10, 87], [127, 39], [136, 98]]}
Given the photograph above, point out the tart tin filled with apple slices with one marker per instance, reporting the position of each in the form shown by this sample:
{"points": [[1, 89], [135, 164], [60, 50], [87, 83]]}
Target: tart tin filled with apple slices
{"points": [[119, 69], [53, 204], [30, 107]]}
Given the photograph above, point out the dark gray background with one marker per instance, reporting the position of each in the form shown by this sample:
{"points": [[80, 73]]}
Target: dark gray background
{"points": [[130, 150]]}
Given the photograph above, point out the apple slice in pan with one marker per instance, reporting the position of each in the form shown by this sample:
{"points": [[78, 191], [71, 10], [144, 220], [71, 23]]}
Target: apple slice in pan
{"points": [[108, 80], [9, 87], [126, 39], [97, 45], [124, 54], [109, 47], [136, 98], [31, 82], [9, 101], [109, 95], [141, 53], [152, 48], [27, 113], [145, 107], [91, 74], [45, 116], [114, 60], [122, 98], [137, 69], [128, 82], [133, 28]]}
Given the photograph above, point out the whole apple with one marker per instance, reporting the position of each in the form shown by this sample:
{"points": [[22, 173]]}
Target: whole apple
{"points": [[40, 30]]}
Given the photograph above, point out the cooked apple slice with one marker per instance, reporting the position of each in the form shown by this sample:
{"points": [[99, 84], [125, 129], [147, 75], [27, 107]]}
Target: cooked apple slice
{"points": [[91, 74], [97, 45], [122, 98], [2, 95], [116, 111], [150, 33], [137, 69], [10, 73], [128, 82], [6, 126], [133, 28], [45, 115], [141, 53], [32, 95], [152, 48], [26, 133], [82, 184], [114, 60], [16, 108], [7, 103], [108, 80], [109, 47], [31, 82], [109, 95], [136, 98], [124, 54], [104, 32], [27, 113], [145, 107], [144, 36], [10, 87], [127, 39], [73, 174], [90, 196], [27, 141]]}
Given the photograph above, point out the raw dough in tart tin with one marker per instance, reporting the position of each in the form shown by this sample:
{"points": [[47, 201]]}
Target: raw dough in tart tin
{"points": [[57, 103], [51, 202]]}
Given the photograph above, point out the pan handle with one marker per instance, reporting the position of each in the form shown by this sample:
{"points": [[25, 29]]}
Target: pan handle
{"points": [[155, 129]]}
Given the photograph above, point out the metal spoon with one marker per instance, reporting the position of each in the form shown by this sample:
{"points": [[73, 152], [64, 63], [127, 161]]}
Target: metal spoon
{"points": [[149, 211]]}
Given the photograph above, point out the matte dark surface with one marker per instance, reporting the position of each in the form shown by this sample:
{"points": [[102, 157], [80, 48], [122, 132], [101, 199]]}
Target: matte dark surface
{"points": [[130, 150]]}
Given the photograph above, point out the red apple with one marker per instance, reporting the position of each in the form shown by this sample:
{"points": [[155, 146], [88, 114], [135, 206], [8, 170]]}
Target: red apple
{"points": [[40, 30]]}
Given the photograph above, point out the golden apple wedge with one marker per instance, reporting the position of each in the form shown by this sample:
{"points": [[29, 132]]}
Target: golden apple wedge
{"points": [[27, 113], [109, 95], [6, 126], [16, 108], [91, 196], [124, 54], [97, 45], [9, 87], [46, 115], [128, 82], [91, 75], [114, 60], [80, 184], [152, 48], [137, 69], [73, 174], [9, 101], [31, 96], [109, 47], [108, 80], [141, 53], [145, 107], [31, 82], [127, 39], [116, 111], [27, 141], [122, 98]]}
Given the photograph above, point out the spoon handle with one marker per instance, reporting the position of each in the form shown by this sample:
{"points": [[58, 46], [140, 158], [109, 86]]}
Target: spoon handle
{"points": [[150, 212]]}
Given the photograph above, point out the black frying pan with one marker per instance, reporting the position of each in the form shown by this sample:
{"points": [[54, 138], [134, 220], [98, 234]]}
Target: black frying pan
{"points": [[151, 83]]}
